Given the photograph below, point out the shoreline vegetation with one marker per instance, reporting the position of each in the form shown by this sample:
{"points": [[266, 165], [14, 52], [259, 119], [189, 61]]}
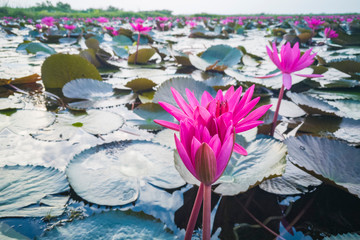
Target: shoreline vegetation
{"points": [[64, 10]]}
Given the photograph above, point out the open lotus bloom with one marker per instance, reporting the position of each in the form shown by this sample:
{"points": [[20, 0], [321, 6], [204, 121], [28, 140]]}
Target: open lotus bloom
{"points": [[290, 61], [205, 145], [237, 109], [140, 28], [329, 33]]}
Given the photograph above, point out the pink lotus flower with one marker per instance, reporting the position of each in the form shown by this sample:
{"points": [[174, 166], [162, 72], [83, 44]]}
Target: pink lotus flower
{"points": [[48, 21], [231, 104], [38, 26], [203, 151], [314, 23], [290, 62], [329, 33], [140, 28], [109, 28], [69, 27], [102, 20], [115, 33], [205, 147]]}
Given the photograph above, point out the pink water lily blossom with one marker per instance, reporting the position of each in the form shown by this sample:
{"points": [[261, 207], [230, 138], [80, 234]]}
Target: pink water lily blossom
{"points": [[140, 28], [329, 33], [205, 146], [238, 109], [290, 61], [313, 23], [69, 27], [48, 21]]}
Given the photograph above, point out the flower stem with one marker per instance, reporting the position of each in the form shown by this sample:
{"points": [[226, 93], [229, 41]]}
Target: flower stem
{"points": [[137, 48], [277, 110], [207, 212], [194, 213]]}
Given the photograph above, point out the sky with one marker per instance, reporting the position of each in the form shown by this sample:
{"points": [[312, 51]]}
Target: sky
{"points": [[212, 6]]}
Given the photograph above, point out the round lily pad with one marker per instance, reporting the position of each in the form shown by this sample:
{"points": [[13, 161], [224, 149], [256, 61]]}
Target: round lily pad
{"points": [[96, 122], [26, 121], [34, 47], [58, 69], [140, 84], [265, 160], [287, 108], [143, 56], [149, 112], [32, 191], [87, 89], [331, 161], [110, 174], [111, 225], [293, 181], [164, 94]]}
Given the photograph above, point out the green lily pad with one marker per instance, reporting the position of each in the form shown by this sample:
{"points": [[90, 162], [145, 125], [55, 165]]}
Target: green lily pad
{"points": [[122, 40], [95, 122], [59, 69], [224, 54], [218, 58], [120, 52], [90, 55], [111, 225], [92, 43], [310, 104], [331, 161], [265, 160], [293, 181], [287, 108], [346, 236], [149, 112], [274, 82], [87, 89], [26, 121], [110, 174], [164, 94], [34, 47], [143, 56], [349, 66], [96, 94], [32, 191], [140, 84]]}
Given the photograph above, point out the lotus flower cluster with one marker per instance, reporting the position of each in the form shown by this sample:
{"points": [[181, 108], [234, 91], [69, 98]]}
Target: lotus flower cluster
{"points": [[229, 105], [329, 33]]}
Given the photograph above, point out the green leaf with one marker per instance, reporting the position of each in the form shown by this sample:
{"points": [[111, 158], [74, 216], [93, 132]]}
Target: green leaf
{"points": [[180, 84], [59, 69], [120, 52], [39, 194], [34, 47], [122, 40], [95, 122], [26, 121], [331, 161], [140, 84], [143, 56], [109, 174], [265, 160], [149, 112], [293, 181], [224, 54]]}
